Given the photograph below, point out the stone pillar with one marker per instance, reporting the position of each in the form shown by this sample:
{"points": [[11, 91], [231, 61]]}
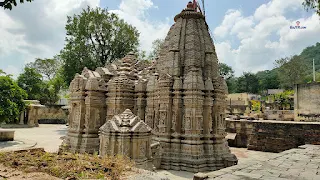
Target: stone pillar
{"points": [[140, 105], [151, 102], [77, 113], [94, 116], [22, 118]]}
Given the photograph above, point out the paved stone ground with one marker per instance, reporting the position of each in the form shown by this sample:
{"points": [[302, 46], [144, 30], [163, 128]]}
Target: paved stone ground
{"points": [[46, 136], [295, 164]]}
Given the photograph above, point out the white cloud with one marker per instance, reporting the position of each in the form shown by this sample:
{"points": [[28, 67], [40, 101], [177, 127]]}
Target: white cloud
{"points": [[14, 71], [231, 17], [35, 29], [135, 8], [265, 36], [135, 13], [276, 8]]}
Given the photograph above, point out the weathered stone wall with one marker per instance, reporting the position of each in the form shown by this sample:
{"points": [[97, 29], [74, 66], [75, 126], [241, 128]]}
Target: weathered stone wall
{"points": [[279, 115], [52, 115], [273, 136], [307, 102], [243, 129]]}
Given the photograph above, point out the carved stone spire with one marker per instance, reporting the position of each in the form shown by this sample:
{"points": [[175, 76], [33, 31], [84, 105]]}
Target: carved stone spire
{"points": [[187, 112]]}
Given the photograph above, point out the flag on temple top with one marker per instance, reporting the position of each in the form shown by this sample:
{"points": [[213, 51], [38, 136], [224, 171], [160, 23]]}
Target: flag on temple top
{"points": [[195, 5]]}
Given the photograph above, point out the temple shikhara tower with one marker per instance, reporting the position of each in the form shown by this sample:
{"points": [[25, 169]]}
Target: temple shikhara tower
{"points": [[180, 96]]}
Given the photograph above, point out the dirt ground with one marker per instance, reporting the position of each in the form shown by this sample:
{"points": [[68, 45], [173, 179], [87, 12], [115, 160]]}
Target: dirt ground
{"points": [[14, 174]]}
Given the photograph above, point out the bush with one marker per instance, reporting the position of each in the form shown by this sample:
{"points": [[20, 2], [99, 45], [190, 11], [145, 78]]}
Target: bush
{"points": [[11, 99]]}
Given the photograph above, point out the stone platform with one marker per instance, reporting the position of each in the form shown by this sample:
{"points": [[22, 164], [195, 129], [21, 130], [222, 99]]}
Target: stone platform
{"points": [[299, 163], [272, 136], [6, 135]]}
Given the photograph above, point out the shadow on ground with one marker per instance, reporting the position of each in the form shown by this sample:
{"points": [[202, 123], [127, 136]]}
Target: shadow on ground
{"points": [[62, 132], [6, 144]]}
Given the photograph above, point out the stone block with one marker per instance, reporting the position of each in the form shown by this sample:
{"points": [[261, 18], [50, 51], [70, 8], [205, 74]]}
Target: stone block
{"points": [[6, 135], [200, 176]]}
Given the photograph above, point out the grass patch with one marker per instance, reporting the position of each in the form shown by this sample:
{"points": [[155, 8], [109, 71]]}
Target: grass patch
{"points": [[76, 166]]}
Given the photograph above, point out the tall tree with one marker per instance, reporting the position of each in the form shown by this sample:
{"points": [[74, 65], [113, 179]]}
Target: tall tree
{"points": [[31, 81], [268, 79], [47, 67], [312, 4], [291, 71], [8, 4], [228, 74], [11, 99], [226, 71], [248, 83], [96, 37], [156, 46]]}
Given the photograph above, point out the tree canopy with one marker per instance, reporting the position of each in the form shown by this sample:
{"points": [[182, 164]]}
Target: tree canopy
{"points": [[96, 37], [226, 71], [248, 82], [8, 4], [31, 81], [11, 99], [46, 67], [46, 91], [156, 46], [312, 4], [291, 71]]}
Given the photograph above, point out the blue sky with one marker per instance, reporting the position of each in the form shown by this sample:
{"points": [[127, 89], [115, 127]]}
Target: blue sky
{"points": [[249, 34]]}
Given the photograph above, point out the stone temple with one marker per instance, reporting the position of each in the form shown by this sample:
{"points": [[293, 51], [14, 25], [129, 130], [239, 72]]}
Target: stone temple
{"points": [[180, 96]]}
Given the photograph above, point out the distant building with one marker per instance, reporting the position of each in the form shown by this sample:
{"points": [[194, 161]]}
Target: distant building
{"points": [[274, 91], [239, 103]]}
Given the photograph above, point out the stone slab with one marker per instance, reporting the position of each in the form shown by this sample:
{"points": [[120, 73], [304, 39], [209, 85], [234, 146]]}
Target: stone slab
{"points": [[6, 135]]}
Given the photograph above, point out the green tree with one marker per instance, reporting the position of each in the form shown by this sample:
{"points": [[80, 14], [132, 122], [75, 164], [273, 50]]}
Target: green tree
{"points": [[96, 37], [284, 100], [268, 79], [7, 4], [226, 71], [291, 71], [55, 86], [2, 72], [156, 46], [31, 81], [228, 74], [11, 99], [310, 53], [312, 4], [248, 83], [232, 85], [47, 67]]}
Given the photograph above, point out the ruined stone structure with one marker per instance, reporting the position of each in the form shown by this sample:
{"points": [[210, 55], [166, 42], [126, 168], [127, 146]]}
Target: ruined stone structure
{"points": [[31, 115], [181, 96], [307, 102], [272, 136], [128, 135]]}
